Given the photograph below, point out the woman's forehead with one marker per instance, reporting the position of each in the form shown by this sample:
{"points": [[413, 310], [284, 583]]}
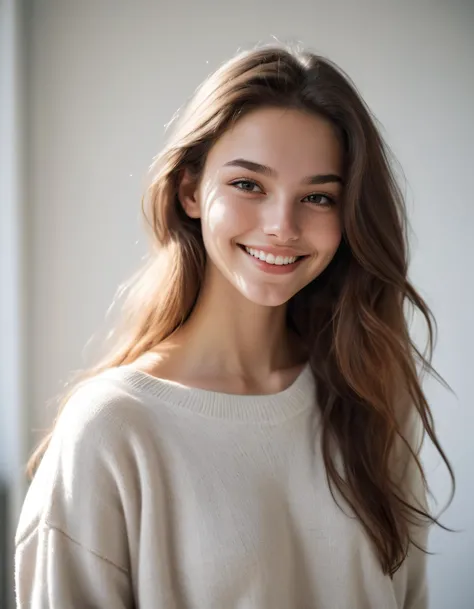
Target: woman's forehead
{"points": [[287, 141]]}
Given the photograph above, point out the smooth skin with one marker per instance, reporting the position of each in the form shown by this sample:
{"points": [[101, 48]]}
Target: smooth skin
{"points": [[273, 183]]}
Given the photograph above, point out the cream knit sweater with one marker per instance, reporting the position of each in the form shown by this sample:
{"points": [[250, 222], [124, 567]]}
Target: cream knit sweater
{"points": [[157, 496]]}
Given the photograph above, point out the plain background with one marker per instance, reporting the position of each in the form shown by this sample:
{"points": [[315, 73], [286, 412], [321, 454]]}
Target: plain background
{"points": [[87, 88]]}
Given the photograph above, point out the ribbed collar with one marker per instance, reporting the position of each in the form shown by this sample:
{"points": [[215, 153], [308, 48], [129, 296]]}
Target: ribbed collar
{"points": [[270, 408]]}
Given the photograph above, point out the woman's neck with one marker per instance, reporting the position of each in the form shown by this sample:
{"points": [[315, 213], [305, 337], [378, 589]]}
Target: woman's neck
{"points": [[232, 341], [239, 337]]}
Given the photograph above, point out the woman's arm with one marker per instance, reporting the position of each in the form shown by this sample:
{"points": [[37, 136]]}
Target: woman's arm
{"points": [[416, 596], [71, 542], [54, 571], [411, 482]]}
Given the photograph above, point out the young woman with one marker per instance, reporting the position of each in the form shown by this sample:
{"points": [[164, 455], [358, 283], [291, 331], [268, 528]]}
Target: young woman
{"points": [[252, 440]]}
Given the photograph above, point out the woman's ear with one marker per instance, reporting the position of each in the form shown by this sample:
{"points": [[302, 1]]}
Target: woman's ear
{"points": [[187, 194]]}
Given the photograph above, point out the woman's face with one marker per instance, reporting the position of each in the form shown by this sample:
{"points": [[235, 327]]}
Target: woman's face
{"points": [[268, 200]]}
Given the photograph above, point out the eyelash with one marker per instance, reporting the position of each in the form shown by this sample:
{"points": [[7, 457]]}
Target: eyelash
{"points": [[315, 194]]}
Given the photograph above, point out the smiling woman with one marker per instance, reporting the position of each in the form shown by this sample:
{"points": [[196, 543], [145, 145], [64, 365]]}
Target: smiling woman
{"points": [[280, 216], [253, 437]]}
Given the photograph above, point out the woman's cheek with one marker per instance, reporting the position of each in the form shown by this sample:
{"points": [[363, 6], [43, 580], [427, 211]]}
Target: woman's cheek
{"points": [[326, 232], [224, 217]]}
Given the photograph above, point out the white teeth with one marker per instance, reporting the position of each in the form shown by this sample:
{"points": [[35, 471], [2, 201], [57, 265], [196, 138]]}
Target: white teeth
{"points": [[270, 258]]}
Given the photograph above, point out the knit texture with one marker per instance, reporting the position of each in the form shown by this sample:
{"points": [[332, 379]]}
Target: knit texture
{"points": [[157, 496]]}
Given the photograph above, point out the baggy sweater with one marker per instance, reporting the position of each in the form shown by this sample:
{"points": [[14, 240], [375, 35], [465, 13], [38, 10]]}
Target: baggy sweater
{"points": [[153, 495]]}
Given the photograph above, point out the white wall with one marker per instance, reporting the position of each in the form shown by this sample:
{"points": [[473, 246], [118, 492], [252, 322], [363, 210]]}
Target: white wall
{"points": [[13, 412], [11, 237], [105, 78]]}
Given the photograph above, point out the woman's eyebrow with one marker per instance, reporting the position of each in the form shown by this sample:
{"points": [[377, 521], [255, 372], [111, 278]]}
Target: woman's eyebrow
{"points": [[264, 169]]}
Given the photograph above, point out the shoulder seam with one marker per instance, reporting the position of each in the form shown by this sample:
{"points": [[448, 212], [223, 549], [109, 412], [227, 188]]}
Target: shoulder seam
{"points": [[104, 558], [52, 527]]}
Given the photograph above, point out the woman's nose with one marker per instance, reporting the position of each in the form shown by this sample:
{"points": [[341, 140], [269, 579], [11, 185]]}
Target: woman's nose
{"points": [[280, 221]]}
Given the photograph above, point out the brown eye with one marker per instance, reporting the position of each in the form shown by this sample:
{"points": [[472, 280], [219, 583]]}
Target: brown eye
{"points": [[247, 185], [319, 199]]}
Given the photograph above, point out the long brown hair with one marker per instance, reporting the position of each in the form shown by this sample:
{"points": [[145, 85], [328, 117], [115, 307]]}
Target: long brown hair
{"points": [[352, 317]]}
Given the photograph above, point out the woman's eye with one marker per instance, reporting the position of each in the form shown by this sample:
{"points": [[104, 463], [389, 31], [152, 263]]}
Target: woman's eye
{"points": [[246, 185], [319, 199]]}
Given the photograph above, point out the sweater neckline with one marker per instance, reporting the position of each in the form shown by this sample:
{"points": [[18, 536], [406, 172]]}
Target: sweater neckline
{"points": [[270, 408]]}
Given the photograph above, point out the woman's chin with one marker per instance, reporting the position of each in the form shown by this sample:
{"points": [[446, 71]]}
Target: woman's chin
{"points": [[267, 296]]}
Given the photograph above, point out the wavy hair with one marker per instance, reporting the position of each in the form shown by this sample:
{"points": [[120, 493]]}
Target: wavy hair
{"points": [[352, 317]]}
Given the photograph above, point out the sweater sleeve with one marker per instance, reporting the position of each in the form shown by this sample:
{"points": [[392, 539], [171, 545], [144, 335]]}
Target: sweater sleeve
{"points": [[53, 571], [71, 542], [416, 590]]}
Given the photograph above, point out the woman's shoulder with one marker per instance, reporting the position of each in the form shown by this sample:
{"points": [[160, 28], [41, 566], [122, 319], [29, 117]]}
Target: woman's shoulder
{"points": [[92, 453], [89, 466], [103, 402], [104, 417]]}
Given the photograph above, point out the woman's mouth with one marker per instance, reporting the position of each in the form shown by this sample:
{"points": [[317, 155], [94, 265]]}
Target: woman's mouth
{"points": [[271, 262]]}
